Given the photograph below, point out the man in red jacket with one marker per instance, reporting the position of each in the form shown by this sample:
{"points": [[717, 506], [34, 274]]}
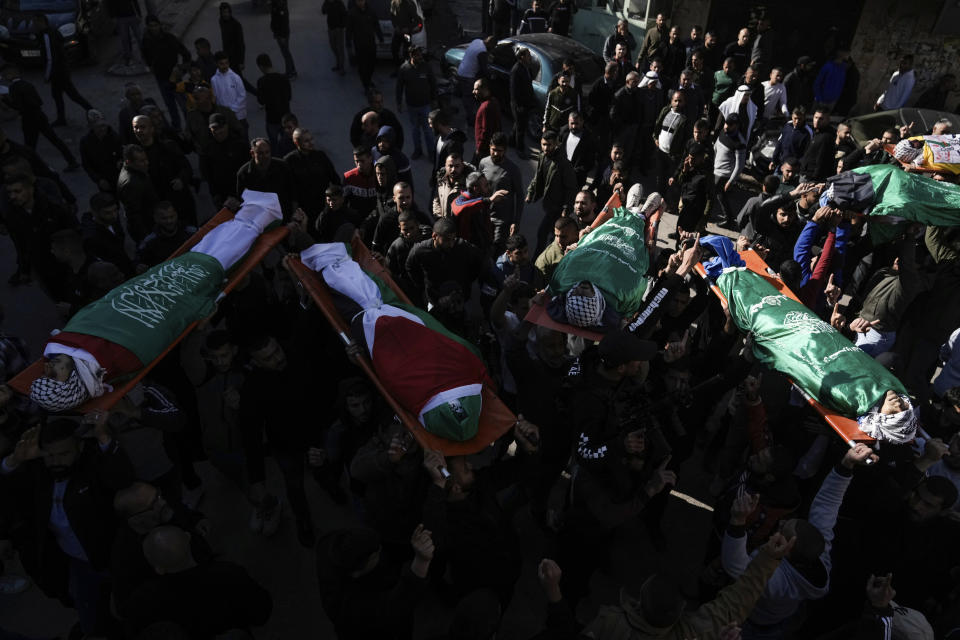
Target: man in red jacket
{"points": [[487, 121]]}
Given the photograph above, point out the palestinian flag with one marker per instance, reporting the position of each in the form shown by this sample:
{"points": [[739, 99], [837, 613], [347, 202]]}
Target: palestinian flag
{"points": [[614, 258], [431, 372], [893, 197], [788, 337]]}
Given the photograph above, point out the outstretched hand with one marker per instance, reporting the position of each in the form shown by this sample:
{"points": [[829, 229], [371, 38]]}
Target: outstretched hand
{"points": [[859, 455], [778, 546], [660, 479], [549, 574]]}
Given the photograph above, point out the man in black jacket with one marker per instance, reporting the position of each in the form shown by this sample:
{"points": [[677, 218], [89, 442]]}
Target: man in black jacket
{"points": [[23, 98], [522, 99], [580, 147], [273, 92], [599, 101], [169, 169], [167, 235], [818, 162], [385, 118], [449, 140], [71, 521], [263, 172], [31, 220], [311, 171], [136, 192], [280, 26], [10, 150], [103, 236], [203, 600], [160, 51], [625, 112], [282, 387], [221, 159], [56, 70], [101, 152], [364, 29], [442, 258]]}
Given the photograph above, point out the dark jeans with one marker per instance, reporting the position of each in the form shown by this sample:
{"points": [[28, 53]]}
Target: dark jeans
{"points": [[521, 122], [665, 168], [61, 83], [366, 60], [722, 201], [545, 230], [34, 125], [336, 45], [284, 43], [465, 86], [398, 48], [170, 100]]}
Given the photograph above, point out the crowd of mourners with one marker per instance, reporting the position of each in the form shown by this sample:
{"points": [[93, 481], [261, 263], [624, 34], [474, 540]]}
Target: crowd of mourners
{"points": [[807, 536]]}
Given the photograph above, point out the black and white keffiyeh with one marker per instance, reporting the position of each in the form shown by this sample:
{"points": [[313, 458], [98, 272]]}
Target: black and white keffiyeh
{"points": [[55, 396], [583, 311], [898, 428]]}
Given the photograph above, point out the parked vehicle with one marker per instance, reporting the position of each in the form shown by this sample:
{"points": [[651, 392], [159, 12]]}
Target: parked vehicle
{"points": [[547, 53], [869, 126], [19, 41]]}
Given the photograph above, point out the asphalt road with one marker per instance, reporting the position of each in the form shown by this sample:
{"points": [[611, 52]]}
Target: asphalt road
{"points": [[325, 102]]}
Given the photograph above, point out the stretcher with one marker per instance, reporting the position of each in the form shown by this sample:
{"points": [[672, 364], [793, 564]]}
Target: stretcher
{"points": [[919, 168], [495, 418], [538, 312], [263, 245], [845, 427]]}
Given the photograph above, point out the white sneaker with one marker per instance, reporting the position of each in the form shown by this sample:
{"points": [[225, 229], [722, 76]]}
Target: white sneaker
{"points": [[191, 497], [12, 585], [270, 510]]}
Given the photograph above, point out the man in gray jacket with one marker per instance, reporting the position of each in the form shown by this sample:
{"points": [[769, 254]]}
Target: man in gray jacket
{"points": [[502, 173]]}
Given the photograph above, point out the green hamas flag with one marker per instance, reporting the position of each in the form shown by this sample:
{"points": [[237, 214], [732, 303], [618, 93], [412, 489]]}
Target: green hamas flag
{"points": [[147, 313], [790, 338], [613, 257], [909, 197]]}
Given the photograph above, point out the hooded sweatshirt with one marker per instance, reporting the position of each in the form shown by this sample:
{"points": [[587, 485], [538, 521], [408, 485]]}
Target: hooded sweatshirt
{"points": [[788, 588], [399, 158]]}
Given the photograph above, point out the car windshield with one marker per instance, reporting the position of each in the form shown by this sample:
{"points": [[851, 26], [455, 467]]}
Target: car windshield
{"points": [[41, 6]]}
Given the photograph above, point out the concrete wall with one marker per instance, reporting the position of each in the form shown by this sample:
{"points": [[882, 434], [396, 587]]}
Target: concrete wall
{"points": [[891, 28], [687, 13]]}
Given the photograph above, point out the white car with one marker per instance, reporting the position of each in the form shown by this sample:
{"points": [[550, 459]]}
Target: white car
{"points": [[382, 9]]}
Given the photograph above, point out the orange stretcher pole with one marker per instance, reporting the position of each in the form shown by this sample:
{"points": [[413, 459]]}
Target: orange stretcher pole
{"points": [[263, 245], [495, 418], [843, 426]]}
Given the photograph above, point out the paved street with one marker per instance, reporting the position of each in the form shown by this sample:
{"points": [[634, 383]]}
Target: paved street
{"points": [[325, 102]]}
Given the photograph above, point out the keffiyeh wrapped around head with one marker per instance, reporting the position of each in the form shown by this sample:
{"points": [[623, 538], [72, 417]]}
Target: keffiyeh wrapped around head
{"points": [[906, 152], [54, 396], [650, 78], [583, 311], [898, 428]]}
